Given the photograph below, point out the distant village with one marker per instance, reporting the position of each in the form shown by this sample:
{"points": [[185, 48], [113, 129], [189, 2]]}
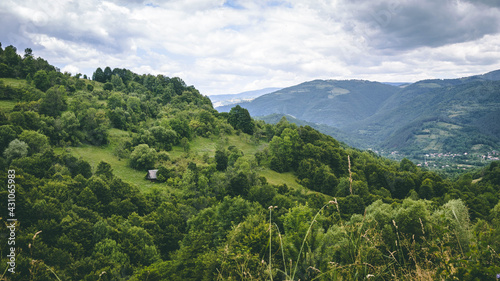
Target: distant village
{"points": [[457, 161]]}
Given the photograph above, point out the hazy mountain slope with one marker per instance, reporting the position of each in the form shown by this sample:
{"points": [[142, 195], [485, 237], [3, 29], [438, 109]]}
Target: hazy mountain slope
{"points": [[446, 117], [411, 91], [330, 102], [428, 115], [493, 75], [222, 100]]}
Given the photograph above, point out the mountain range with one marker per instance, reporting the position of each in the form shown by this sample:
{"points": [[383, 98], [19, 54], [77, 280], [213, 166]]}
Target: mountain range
{"points": [[436, 115], [222, 100]]}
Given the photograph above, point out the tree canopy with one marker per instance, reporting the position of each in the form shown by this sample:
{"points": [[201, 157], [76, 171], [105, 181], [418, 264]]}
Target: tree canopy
{"points": [[234, 199]]}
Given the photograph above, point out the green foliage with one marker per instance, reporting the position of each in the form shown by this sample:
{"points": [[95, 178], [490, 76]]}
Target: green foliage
{"points": [[11, 91], [71, 126], [411, 217], [240, 119], [16, 149], [181, 127], [285, 150], [5, 71], [54, 102], [104, 170], [41, 80], [239, 185], [164, 173], [456, 215], [185, 144], [37, 142], [143, 157], [13, 65], [221, 159], [108, 86], [208, 218], [77, 166], [164, 138], [98, 75], [7, 134]]}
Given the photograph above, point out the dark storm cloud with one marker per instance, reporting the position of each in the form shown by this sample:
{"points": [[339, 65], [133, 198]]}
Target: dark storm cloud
{"points": [[405, 25], [13, 29], [490, 3]]}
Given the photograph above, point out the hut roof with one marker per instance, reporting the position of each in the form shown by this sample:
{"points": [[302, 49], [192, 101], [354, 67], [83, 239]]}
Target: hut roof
{"points": [[151, 174]]}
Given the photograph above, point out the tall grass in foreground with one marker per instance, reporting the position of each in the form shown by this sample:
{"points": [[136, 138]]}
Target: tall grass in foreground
{"points": [[440, 246], [358, 268]]}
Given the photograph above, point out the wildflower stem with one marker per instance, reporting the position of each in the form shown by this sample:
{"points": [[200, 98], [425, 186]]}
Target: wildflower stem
{"points": [[270, 236], [304, 241], [350, 173], [282, 251]]}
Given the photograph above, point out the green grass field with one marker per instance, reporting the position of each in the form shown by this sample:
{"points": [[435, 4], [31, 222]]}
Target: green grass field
{"points": [[13, 82], [198, 147], [7, 105], [94, 155], [121, 169], [208, 145], [278, 179]]}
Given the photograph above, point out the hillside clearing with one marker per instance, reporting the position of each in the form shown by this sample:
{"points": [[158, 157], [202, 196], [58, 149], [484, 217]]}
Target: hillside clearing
{"points": [[7, 105], [198, 146]]}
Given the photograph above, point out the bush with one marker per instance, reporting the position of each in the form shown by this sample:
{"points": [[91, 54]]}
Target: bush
{"points": [[163, 156], [16, 149], [143, 157]]}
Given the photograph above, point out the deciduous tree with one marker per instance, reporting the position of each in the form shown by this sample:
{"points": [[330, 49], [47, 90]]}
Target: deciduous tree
{"points": [[41, 80], [16, 149], [143, 157], [240, 119], [37, 142], [54, 102]]}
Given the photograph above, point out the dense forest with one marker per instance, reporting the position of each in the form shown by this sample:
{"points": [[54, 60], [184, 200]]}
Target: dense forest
{"points": [[234, 198]]}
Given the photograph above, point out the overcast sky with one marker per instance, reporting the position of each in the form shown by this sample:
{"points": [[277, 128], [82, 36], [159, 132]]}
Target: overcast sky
{"points": [[226, 47]]}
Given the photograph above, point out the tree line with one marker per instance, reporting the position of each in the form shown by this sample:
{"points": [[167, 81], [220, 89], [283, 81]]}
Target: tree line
{"points": [[214, 216]]}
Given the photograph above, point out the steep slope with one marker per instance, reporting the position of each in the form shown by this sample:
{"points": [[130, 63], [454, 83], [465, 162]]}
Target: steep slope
{"points": [[447, 117], [222, 199], [434, 115], [411, 91], [493, 75], [330, 102], [347, 137]]}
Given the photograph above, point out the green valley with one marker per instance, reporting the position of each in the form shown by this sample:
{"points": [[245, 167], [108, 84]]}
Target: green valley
{"points": [[230, 197], [454, 116]]}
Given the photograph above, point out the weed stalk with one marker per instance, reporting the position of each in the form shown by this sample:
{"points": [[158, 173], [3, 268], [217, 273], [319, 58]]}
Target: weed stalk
{"points": [[307, 234]]}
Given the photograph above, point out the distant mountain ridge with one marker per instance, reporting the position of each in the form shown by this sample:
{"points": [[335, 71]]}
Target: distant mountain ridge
{"points": [[222, 100], [434, 115], [317, 101], [445, 118]]}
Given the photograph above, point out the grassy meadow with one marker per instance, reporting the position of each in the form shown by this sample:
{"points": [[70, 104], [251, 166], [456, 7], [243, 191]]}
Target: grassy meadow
{"points": [[198, 147]]}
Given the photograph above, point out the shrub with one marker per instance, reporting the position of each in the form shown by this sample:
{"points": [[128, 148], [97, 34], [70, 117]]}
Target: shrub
{"points": [[143, 157]]}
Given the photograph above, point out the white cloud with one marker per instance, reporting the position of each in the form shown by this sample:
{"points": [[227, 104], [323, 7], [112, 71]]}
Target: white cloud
{"points": [[229, 47]]}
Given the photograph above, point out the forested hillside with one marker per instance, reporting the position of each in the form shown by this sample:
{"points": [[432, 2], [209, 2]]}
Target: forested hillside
{"points": [[428, 116], [456, 114], [233, 199]]}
